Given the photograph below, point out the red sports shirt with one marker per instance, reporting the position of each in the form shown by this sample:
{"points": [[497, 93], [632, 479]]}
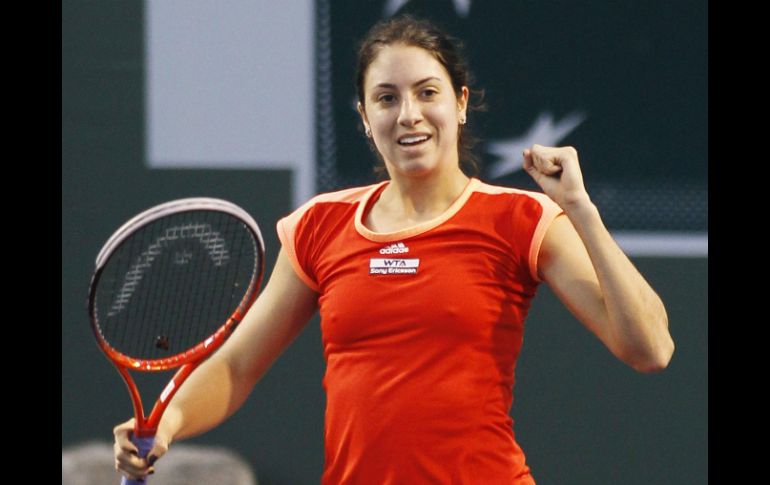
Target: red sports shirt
{"points": [[421, 332]]}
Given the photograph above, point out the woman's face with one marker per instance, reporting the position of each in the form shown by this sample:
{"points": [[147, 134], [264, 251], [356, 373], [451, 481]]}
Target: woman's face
{"points": [[412, 111]]}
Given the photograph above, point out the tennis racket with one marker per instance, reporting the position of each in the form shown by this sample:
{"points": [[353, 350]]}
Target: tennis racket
{"points": [[169, 287]]}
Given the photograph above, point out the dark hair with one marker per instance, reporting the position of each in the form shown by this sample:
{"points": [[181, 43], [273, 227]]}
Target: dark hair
{"points": [[447, 50]]}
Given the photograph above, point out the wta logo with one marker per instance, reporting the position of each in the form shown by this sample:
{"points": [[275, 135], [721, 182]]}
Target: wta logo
{"points": [[398, 248], [378, 266]]}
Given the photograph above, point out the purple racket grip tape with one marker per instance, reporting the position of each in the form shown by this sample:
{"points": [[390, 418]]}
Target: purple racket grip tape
{"points": [[144, 445]]}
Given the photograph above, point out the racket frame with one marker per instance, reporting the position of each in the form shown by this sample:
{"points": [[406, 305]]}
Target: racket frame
{"points": [[188, 360]]}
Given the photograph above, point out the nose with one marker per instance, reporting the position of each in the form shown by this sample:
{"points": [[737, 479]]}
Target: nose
{"points": [[410, 113]]}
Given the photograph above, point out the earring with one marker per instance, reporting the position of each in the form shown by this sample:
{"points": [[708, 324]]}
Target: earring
{"points": [[368, 132], [462, 120]]}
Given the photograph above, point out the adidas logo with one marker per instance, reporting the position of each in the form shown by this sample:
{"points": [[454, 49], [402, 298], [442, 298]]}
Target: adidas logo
{"points": [[398, 248]]}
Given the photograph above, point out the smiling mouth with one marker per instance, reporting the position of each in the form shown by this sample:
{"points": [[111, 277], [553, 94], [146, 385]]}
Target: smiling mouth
{"points": [[413, 140]]}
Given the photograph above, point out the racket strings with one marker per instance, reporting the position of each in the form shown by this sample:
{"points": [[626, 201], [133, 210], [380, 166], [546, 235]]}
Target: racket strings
{"points": [[168, 292], [174, 282], [221, 290], [208, 290], [187, 313], [152, 242], [126, 283]]}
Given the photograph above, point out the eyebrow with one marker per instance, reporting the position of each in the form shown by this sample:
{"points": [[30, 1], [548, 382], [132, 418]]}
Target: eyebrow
{"points": [[392, 86]]}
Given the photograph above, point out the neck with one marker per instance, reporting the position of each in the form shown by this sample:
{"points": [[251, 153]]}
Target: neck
{"points": [[423, 197]]}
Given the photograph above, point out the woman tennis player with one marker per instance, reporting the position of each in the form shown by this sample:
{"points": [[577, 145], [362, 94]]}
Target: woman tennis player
{"points": [[423, 283]]}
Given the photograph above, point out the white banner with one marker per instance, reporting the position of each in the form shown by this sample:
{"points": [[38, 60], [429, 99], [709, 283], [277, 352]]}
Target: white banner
{"points": [[231, 85]]}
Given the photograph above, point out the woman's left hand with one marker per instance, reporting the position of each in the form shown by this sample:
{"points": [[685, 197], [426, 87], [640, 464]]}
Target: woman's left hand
{"points": [[557, 171]]}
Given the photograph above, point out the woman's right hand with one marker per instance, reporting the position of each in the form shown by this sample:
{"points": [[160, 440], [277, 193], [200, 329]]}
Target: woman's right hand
{"points": [[127, 460]]}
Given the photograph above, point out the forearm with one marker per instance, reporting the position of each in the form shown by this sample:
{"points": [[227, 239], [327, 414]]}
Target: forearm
{"points": [[637, 324], [209, 396], [221, 385]]}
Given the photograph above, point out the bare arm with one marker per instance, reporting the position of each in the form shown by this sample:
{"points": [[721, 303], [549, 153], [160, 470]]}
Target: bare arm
{"points": [[589, 272], [216, 389]]}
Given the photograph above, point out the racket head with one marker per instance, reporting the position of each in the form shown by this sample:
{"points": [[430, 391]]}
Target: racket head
{"points": [[172, 283]]}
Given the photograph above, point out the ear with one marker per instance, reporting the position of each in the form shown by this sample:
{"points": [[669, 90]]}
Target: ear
{"points": [[362, 112], [462, 103]]}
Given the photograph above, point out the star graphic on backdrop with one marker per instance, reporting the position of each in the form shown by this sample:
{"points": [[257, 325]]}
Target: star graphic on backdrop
{"points": [[543, 132], [462, 7]]}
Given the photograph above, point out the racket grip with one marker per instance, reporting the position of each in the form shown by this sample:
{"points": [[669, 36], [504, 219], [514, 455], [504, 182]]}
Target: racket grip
{"points": [[144, 445]]}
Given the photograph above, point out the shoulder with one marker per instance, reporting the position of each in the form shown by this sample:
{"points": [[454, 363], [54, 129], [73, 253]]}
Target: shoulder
{"points": [[523, 216], [323, 211], [307, 226], [339, 199], [345, 196], [531, 201]]}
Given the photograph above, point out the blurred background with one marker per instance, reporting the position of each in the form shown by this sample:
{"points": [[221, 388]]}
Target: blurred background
{"points": [[253, 101]]}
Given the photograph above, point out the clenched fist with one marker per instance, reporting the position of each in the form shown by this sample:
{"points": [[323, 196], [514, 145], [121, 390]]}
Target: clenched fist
{"points": [[557, 171]]}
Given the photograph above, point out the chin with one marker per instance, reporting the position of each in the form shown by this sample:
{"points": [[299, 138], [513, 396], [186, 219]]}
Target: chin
{"points": [[412, 168], [416, 171]]}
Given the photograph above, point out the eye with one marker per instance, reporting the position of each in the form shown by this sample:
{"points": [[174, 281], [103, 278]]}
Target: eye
{"points": [[429, 93], [386, 98]]}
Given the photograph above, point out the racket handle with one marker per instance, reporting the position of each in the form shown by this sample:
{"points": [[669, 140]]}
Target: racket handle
{"points": [[144, 445]]}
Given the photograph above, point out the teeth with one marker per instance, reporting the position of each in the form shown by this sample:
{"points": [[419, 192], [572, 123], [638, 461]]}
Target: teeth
{"points": [[413, 139]]}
